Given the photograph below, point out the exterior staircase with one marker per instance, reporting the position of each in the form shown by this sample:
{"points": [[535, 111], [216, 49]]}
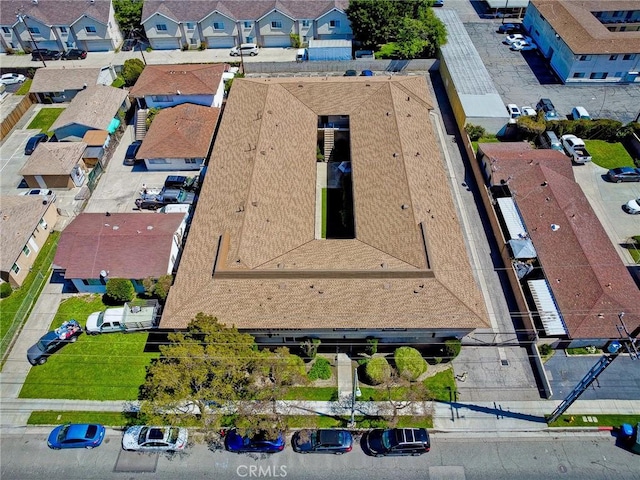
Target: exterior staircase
{"points": [[329, 143], [141, 124]]}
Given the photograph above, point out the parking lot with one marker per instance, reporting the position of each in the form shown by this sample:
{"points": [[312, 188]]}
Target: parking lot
{"points": [[525, 77]]}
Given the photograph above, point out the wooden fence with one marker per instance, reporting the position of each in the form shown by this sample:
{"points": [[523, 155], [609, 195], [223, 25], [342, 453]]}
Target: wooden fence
{"points": [[14, 117]]}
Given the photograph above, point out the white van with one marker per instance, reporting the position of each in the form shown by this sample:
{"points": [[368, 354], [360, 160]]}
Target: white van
{"points": [[580, 113], [250, 49], [301, 55]]}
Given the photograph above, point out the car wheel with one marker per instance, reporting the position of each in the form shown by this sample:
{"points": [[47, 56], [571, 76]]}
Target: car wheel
{"points": [[73, 339], [42, 361], [618, 181], [339, 453], [252, 54], [89, 447], [55, 448]]}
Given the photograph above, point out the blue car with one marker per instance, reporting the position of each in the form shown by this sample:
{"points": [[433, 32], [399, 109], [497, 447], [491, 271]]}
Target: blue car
{"points": [[366, 73], [34, 141], [234, 442], [76, 435]]}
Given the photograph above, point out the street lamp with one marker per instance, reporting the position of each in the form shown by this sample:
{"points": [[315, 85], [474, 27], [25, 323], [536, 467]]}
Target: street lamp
{"points": [[355, 394], [21, 19]]}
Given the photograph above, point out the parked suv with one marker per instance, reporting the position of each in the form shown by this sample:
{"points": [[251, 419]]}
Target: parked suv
{"points": [[165, 197], [39, 54], [547, 107], [180, 181], [398, 441], [250, 49]]}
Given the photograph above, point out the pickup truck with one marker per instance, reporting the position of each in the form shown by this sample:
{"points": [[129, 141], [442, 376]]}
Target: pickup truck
{"points": [[127, 318], [575, 148]]}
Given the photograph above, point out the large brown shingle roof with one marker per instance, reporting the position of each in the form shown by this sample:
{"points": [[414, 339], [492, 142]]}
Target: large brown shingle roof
{"points": [[590, 283], [93, 107], [127, 245], [184, 131], [194, 79], [574, 21], [54, 158], [53, 79], [255, 219]]}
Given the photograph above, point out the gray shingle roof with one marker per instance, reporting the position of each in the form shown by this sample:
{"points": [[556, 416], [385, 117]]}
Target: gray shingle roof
{"points": [[94, 107], [54, 158], [52, 79], [54, 12]]}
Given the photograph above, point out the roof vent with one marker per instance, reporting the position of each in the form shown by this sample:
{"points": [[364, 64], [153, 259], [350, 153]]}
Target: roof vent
{"points": [[116, 227], [555, 227], [149, 227], [404, 206]]}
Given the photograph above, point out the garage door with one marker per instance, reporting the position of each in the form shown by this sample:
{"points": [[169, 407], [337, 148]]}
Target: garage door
{"points": [[274, 41], [164, 44], [98, 45], [221, 42]]}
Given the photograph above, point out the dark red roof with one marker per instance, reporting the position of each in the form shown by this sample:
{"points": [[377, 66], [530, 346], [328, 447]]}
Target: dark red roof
{"points": [[127, 245], [589, 281]]}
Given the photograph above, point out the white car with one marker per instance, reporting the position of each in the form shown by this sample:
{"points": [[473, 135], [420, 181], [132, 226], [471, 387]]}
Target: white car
{"points": [[250, 49], [514, 111], [144, 438], [522, 46], [11, 78], [528, 111], [43, 192], [515, 37], [632, 206]]}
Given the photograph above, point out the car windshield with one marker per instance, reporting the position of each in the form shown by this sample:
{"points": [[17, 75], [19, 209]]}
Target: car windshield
{"points": [[386, 439], [63, 432], [143, 435], [100, 320], [91, 431], [173, 435]]}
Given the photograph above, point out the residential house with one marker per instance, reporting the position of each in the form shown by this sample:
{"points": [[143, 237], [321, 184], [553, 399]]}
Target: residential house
{"points": [[391, 262], [97, 246], [573, 284], [223, 24], [59, 25], [179, 138], [95, 108], [26, 222], [55, 85], [55, 165], [588, 41], [161, 86]]}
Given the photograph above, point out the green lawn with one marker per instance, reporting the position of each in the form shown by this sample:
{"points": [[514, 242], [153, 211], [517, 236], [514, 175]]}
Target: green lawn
{"points": [[485, 139], [102, 367], [608, 155], [24, 88], [45, 118], [56, 417], [15, 309], [322, 394], [634, 249], [602, 420], [440, 385]]}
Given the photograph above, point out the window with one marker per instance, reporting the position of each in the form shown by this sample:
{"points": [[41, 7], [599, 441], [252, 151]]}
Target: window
{"points": [[94, 281], [90, 29], [161, 27], [43, 223], [218, 25], [161, 98], [34, 30], [6, 30], [191, 26], [15, 268], [578, 75], [613, 57], [334, 23], [190, 160], [158, 161], [247, 24], [276, 24], [598, 75], [617, 74], [584, 58], [629, 56], [193, 41], [63, 29], [617, 13], [26, 251], [306, 23]]}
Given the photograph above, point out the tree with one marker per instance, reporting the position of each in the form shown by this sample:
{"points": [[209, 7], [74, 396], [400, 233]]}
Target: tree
{"points": [[120, 289], [452, 347], [128, 14], [131, 70], [161, 289], [208, 365], [420, 36], [409, 363], [378, 370]]}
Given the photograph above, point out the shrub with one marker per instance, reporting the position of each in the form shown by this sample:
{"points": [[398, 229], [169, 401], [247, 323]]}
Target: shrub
{"points": [[372, 346], [321, 369], [310, 347], [545, 349], [5, 290], [131, 70], [149, 285], [452, 348], [120, 289], [161, 290], [203, 46], [291, 370], [377, 370], [530, 126], [185, 47], [409, 363], [475, 132], [295, 40]]}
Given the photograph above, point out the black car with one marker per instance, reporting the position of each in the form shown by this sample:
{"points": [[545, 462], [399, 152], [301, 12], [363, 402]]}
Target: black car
{"points": [[548, 108], [322, 441], [350, 73], [167, 196], [34, 141], [510, 28], [180, 181], [132, 151], [39, 54], [74, 54], [398, 441], [129, 44], [52, 341], [624, 174]]}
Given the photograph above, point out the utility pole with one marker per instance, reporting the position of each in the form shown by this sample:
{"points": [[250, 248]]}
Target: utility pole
{"points": [[614, 349], [506, 5], [356, 393], [21, 19], [240, 49]]}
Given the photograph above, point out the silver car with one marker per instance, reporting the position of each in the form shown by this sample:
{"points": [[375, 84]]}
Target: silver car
{"points": [[144, 438]]}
